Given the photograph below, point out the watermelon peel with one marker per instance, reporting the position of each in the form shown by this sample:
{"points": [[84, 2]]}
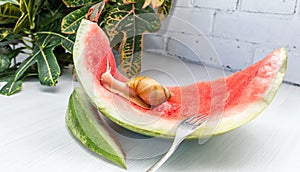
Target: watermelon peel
{"points": [[247, 92], [84, 123]]}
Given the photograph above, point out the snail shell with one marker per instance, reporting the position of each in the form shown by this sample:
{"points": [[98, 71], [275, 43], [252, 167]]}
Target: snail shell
{"points": [[149, 90]]}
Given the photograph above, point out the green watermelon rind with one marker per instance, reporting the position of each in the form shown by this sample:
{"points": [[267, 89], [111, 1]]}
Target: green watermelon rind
{"points": [[82, 121], [133, 128], [163, 127]]}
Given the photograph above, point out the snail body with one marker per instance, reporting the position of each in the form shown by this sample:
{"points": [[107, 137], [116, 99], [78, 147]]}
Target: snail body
{"points": [[142, 90], [149, 90]]}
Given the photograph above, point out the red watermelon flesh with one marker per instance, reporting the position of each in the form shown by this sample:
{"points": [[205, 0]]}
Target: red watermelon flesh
{"points": [[237, 98]]}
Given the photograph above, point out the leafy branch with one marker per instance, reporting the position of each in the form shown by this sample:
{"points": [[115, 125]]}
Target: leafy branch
{"points": [[30, 32]]}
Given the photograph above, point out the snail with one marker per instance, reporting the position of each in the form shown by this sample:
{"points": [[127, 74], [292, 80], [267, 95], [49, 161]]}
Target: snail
{"points": [[149, 90], [142, 90]]}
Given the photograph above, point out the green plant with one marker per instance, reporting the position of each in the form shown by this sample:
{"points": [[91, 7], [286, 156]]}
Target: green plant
{"points": [[44, 32], [32, 28]]}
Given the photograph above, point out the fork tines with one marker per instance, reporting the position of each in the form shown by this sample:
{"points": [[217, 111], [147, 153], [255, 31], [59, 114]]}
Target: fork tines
{"points": [[197, 119]]}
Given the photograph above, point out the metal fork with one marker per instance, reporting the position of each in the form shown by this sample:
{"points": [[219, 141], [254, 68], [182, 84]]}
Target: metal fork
{"points": [[184, 129]]}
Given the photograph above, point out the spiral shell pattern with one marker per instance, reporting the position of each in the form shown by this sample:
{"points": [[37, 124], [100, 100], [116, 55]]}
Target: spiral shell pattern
{"points": [[149, 90]]}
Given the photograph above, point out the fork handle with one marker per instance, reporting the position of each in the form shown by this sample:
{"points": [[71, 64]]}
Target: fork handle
{"points": [[172, 149]]}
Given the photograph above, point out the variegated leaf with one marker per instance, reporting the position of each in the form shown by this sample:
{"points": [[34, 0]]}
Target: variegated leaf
{"points": [[76, 3], [7, 75], [48, 67], [71, 22], [29, 9], [9, 1], [131, 52], [157, 3], [46, 40], [52, 16], [9, 13], [25, 65], [25, 20], [4, 32], [14, 83], [130, 18], [22, 23], [129, 1], [6, 56], [45, 46], [11, 87], [5, 49], [154, 3], [164, 10], [67, 41], [146, 3], [130, 21], [4, 63]]}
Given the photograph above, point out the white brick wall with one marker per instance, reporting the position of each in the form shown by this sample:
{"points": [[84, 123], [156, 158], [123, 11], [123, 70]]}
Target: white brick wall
{"points": [[183, 3], [201, 19], [269, 6], [241, 31], [216, 4]]}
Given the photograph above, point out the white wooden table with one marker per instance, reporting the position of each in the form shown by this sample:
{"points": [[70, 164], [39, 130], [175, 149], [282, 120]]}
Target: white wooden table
{"points": [[34, 136]]}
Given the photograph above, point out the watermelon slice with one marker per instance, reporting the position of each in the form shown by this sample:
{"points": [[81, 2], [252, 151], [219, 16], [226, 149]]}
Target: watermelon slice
{"points": [[230, 102]]}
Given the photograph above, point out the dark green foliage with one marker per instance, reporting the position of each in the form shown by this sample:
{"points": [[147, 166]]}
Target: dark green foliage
{"points": [[42, 33]]}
